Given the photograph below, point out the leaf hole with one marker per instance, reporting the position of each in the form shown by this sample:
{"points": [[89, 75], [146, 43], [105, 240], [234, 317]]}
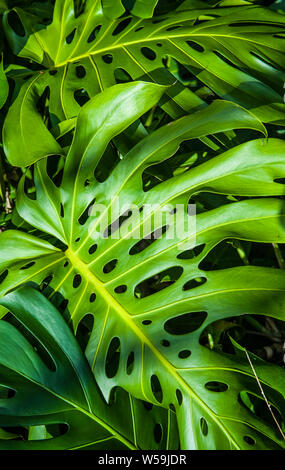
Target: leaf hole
{"points": [[204, 426], [179, 396], [121, 26], [194, 45], [148, 406], [146, 322], [216, 386], [122, 76], [70, 37], [81, 96], [80, 71], [165, 343], [113, 358], [94, 34], [279, 180], [186, 323], [198, 281], [130, 363], [92, 249], [172, 28], [249, 440], [87, 212], [148, 240], [107, 58], [92, 298], [158, 282], [148, 53], [110, 266], [184, 354], [84, 330], [76, 281], [28, 265], [16, 24], [156, 388], [120, 289], [46, 282], [3, 276], [191, 254]]}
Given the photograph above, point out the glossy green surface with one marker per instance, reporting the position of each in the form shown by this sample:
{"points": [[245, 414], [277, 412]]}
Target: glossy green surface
{"points": [[153, 364]]}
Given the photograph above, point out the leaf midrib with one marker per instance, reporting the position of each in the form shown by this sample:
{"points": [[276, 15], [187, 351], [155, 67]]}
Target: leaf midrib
{"points": [[124, 314], [153, 39]]}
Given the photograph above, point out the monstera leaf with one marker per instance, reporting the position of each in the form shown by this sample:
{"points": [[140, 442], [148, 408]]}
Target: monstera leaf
{"points": [[47, 386], [149, 295], [235, 51], [4, 87]]}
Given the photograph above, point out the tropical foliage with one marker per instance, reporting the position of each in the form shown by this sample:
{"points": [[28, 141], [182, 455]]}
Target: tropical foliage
{"points": [[113, 337]]}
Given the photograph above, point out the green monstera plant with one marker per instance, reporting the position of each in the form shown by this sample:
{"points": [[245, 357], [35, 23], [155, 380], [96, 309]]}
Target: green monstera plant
{"points": [[68, 411], [151, 302], [226, 51], [142, 225]]}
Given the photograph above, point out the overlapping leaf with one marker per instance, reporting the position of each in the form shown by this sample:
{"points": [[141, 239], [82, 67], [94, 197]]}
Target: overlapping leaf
{"points": [[65, 397], [237, 52], [146, 339]]}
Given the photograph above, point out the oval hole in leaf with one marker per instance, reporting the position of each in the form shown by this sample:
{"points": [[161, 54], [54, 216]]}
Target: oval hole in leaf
{"points": [[186, 323], [148, 53], [279, 180], [130, 363], [107, 58], [172, 28], [94, 33], [80, 71], [156, 388], [110, 266], [148, 406], [76, 281], [92, 298], [29, 265], [3, 276], [6, 392], [113, 358], [122, 76], [120, 289], [158, 282], [81, 96], [148, 240], [216, 386], [92, 249], [249, 440], [179, 396], [184, 354], [70, 37], [258, 407], [198, 281], [194, 45], [85, 215], [191, 254], [121, 26], [84, 330], [204, 426]]}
